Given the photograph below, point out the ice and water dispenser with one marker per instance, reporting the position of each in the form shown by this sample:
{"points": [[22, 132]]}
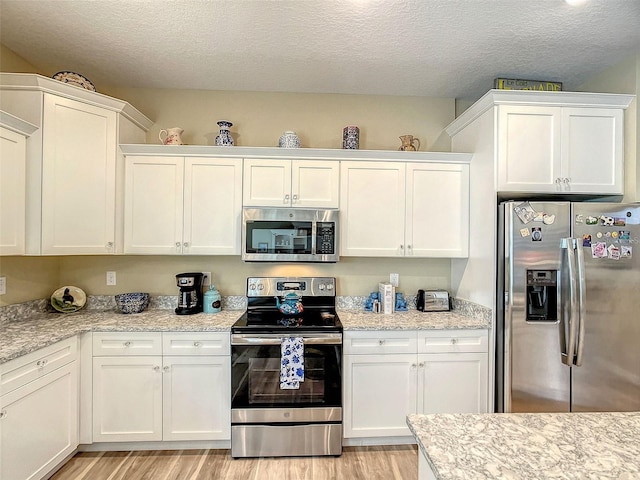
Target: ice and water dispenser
{"points": [[542, 295]]}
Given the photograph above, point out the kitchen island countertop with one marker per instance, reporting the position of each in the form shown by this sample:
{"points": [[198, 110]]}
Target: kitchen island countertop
{"points": [[532, 446]]}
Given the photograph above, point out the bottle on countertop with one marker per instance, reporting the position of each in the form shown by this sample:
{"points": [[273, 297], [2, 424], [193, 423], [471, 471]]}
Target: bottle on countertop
{"points": [[212, 300]]}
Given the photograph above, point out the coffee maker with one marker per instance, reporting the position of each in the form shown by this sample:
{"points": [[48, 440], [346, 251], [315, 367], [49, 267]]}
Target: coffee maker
{"points": [[191, 298]]}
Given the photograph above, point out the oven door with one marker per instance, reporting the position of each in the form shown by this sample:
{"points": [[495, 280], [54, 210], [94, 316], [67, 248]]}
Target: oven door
{"points": [[255, 372]]}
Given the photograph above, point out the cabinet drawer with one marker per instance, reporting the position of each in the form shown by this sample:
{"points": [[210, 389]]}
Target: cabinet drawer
{"points": [[380, 342], [127, 343], [19, 372], [195, 343], [445, 341]]}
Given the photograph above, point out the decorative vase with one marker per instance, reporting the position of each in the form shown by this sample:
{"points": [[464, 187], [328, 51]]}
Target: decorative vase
{"points": [[351, 137], [408, 142], [224, 138], [289, 139]]}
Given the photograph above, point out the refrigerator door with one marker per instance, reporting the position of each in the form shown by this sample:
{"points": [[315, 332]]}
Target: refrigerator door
{"points": [[534, 379], [608, 378]]}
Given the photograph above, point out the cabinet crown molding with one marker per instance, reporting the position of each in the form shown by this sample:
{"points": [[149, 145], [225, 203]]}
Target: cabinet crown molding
{"points": [[497, 97], [16, 124], [32, 81], [291, 153]]}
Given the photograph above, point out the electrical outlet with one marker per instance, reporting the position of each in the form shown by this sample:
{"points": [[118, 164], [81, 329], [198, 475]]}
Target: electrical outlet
{"points": [[206, 279], [3, 285], [111, 278], [394, 279]]}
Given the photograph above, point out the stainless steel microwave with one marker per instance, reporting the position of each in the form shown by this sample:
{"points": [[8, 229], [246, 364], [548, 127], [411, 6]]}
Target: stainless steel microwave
{"points": [[289, 235]]}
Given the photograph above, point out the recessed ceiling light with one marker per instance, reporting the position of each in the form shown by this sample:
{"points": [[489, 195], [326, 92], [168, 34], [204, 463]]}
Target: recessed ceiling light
{"points": [[576, 2]]}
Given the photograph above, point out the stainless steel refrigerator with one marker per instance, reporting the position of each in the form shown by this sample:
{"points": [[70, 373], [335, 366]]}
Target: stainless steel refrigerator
{"points": [[568, 309]]}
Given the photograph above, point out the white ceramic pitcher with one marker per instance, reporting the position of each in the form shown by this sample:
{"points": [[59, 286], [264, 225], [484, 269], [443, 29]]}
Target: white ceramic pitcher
{"points": [[171, 136]]}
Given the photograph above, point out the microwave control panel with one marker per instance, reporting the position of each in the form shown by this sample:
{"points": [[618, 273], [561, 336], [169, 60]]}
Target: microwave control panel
{"points": [[325, 238]]}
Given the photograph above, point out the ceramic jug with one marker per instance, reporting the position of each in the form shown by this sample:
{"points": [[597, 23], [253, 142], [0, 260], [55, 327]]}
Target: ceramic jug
{"points": [[291, 304], [408, 143], [171, 136]]}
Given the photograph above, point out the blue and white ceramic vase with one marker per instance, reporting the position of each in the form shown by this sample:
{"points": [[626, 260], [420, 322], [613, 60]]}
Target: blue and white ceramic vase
{"points": [[289, 139], [351, 137], [224, 138]]}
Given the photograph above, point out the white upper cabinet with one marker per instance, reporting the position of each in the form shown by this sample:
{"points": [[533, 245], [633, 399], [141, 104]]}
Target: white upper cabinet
{"points": [[404, 209], [291, 183], [74, 170], [550, 149], [176, 205], [13, 158]]}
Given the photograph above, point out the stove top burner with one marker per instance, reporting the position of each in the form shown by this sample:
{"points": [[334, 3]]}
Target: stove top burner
{"points": [[275, 322]]}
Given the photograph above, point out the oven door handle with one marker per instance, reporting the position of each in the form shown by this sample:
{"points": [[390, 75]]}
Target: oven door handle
{"points": [[321, 339]]}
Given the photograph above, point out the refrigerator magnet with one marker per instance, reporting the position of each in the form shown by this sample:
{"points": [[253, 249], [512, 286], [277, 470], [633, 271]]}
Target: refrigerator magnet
{"points": [[524, 232], [626, 251], [548, 219], [586, 240], [614, 252], [599, 250], [579, 218], [525, 212], [606, 221], [624, 235], [592, 220], [619, 222], [536, 234]]}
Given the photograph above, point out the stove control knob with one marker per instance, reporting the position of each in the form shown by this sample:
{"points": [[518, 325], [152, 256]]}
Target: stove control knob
{"points": [[321, 286], [260, 286], [329, 286]]}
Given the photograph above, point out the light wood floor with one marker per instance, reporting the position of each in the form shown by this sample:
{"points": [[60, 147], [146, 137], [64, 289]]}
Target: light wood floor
{"points": [[356, 463]]}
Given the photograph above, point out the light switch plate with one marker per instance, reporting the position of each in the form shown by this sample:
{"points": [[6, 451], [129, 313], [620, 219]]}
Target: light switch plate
{"points": [[394, 279], [3, 285], [111, 278]]}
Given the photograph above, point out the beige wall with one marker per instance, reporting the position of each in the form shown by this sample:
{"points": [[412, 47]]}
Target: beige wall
{"points": [[29, 278], [10, 62], [624, 78]]}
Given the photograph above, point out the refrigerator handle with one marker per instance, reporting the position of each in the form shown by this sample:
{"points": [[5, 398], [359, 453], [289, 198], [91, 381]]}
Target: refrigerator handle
{"points": [[568, 353], [582, 297]]}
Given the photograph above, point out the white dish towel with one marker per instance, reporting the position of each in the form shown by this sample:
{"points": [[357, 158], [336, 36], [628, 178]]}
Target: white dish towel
{"points": [[292, 363]]}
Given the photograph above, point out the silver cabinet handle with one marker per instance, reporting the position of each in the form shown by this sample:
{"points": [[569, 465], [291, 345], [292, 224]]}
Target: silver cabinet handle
{"points": [[413, 365], [127, 344], [286, 198], [381, 342], [166, 368], [3, 414], [109, 245], [421, 365], [185, 244], [156, 368], [401, 247], [454, 341], [41, 363], [178, 244], [196, 344], [294, 199]]}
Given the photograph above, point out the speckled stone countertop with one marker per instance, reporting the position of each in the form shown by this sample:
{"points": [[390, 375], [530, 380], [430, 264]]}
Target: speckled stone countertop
{"points": [[531, 446], [23, 336], [410, 320]]}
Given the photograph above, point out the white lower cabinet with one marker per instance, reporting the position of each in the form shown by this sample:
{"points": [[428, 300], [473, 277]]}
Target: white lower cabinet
{"points": [[390, 374], [161, 386], [39, 411]]}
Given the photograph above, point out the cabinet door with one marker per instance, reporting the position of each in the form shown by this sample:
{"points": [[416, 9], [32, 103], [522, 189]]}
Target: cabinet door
{"points": [[379, 392], [78, 178], [529, 153], [212, 206], [196, 399], [266, 183], [39, 425], [153, 205], [372, 205], [315, 184], [592, 141], [452, 383], [127, 399], [437, 211], [12, 192]]}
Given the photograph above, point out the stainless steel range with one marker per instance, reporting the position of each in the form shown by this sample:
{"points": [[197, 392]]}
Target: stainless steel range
{"points": [[277, 410]]}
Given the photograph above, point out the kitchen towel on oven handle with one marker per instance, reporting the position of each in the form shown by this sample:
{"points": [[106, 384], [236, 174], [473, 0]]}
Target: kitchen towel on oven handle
{"points": [[291, 363]]}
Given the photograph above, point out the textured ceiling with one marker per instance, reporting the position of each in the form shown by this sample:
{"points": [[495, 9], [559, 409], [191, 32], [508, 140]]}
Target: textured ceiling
{"points": [[436, 48]]}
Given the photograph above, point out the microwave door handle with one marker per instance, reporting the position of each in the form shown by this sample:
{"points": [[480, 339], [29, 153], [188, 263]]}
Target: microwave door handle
{"points": [[314, 230], [582, 298]]}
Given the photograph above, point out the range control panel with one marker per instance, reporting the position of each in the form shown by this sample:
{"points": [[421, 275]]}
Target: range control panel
{"points": [[306, 286]]}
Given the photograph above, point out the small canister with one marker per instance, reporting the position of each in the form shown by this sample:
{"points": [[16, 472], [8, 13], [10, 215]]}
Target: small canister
{"points": [[212, 300]]}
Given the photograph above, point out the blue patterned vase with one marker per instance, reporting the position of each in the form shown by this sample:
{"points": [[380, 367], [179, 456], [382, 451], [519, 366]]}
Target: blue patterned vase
{"points": [[224, 138], [289, 139], [351, 137]]}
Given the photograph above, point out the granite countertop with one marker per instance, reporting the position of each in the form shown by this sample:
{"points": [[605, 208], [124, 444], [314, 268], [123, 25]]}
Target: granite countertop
{"points": [[20, 337], [410, 320], [532, 446], [28, 333]]}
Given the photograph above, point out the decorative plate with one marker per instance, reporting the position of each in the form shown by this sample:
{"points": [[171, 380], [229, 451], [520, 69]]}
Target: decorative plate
{"points": [[76, 79], [68, 299]]}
